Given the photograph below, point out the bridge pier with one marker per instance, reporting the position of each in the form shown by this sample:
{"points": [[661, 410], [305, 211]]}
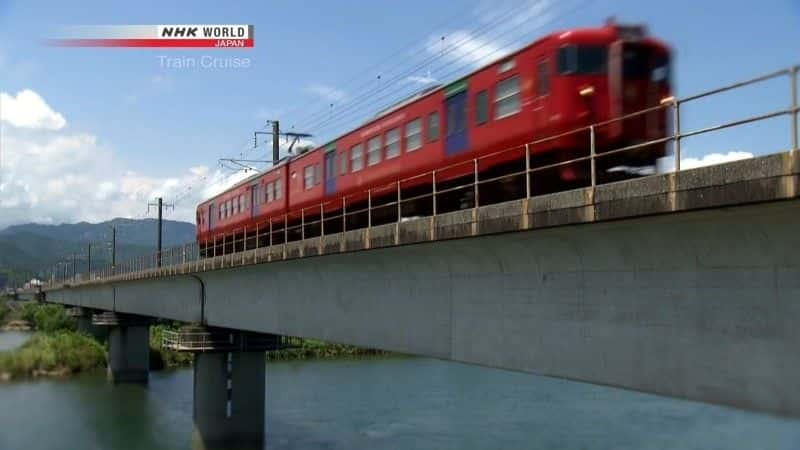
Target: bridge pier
{"points": [[83, 320], [229, 385], [128, 346], [229, 400]]}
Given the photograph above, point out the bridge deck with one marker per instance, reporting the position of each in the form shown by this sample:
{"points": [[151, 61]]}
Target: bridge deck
{"points": [[684, 284]]}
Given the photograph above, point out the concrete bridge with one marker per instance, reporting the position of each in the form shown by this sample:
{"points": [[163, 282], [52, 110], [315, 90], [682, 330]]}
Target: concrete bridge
{"points": [[685, 285]]}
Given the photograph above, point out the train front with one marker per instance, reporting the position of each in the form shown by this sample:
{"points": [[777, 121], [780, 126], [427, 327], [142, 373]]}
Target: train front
{"points": [[639, 80], [614, 73]]}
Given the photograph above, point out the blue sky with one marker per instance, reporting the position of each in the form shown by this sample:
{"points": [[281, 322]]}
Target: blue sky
{"points": [[154, 123]]}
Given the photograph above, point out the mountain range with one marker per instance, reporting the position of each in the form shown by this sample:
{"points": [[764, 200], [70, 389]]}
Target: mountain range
{"points": [[32, 249]]}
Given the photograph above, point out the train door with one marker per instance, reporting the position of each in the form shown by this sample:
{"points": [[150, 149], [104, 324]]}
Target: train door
{"points": [[330, 170], [212, 215], [456, 140], [254, 203], [630, 75], [541, 97]]}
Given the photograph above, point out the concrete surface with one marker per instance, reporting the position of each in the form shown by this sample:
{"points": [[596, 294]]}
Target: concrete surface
{"points": [[685, 285]]}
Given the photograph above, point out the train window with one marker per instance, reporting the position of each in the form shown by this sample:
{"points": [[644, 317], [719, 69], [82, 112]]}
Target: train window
{"points": [[542, 78], [413, 135], [343, 163], [392, 143], [270, 195], [242, 204], [276, 186], [235, 209], [582, 59], [356, 158], [505, 66], [433, 126], [506, 98], [308, 177], [374, 151], [635, 61], [660, 70], [317, 174], [481, 108]]}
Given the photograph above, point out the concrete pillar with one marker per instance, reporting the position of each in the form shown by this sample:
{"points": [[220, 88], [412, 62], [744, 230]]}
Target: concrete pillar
{"points": [[229, 392], [85, 325], [129, 353]]}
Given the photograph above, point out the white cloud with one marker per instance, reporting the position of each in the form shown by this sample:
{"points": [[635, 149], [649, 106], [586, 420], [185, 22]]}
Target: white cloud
{"points": [[50, 175], [667, 164], [427, 79], [326, 92], [713, 158], [29, 110]]}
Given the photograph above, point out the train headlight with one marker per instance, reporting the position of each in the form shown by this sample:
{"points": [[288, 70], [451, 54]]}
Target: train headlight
{"points": [[666, 100], [587, 91]]}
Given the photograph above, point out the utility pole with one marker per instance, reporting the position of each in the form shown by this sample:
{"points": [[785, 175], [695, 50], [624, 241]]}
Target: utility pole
{"points": [[276, 134], [89, 262], [74, 266], [246, 164], [160, 205], [113, 249]]}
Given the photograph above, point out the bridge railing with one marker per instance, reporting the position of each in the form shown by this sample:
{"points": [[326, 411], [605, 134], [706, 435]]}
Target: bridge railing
{"points": [[368, 208]]}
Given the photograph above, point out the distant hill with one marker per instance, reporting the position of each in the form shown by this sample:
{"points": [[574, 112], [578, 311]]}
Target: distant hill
{"points": [[29, 249]]}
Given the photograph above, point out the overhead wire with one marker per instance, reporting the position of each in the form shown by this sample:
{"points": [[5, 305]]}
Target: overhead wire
{"points": [[353, 110], [310, 120]]}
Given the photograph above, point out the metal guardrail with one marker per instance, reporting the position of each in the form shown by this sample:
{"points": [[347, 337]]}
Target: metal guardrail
{"points": [[221, 340], [238, 248]]}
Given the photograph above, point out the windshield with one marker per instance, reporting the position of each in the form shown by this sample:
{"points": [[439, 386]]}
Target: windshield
{"points": [[582, 59], [635, 61], [660, 69]]}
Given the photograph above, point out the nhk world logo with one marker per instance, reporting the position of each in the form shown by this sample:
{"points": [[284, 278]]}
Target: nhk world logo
{"points": [[158, 36]]}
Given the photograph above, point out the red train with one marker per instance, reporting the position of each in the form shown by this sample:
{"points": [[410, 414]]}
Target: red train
{"points": [[559, 83]]}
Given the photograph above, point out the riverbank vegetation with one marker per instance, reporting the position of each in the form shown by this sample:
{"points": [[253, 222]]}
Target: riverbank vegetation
{"points": [[314, 349], [57, 353], [4, 310], [57, 348]]}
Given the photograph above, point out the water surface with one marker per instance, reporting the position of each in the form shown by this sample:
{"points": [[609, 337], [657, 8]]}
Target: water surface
{"points": [[10, 340], [397, 403]]}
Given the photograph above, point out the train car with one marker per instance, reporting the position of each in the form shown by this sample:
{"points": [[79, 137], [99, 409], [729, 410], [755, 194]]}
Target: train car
{"points": [[562, 82]]}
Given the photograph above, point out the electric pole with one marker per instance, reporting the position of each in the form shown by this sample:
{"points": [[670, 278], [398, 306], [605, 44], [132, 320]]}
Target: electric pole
{"points": [[276, 134], [160, 205], [247, 164], [113, 249], [89, 262]]}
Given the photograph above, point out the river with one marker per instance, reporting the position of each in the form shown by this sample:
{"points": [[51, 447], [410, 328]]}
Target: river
{"points": [[392, 403], [13, 339]]}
